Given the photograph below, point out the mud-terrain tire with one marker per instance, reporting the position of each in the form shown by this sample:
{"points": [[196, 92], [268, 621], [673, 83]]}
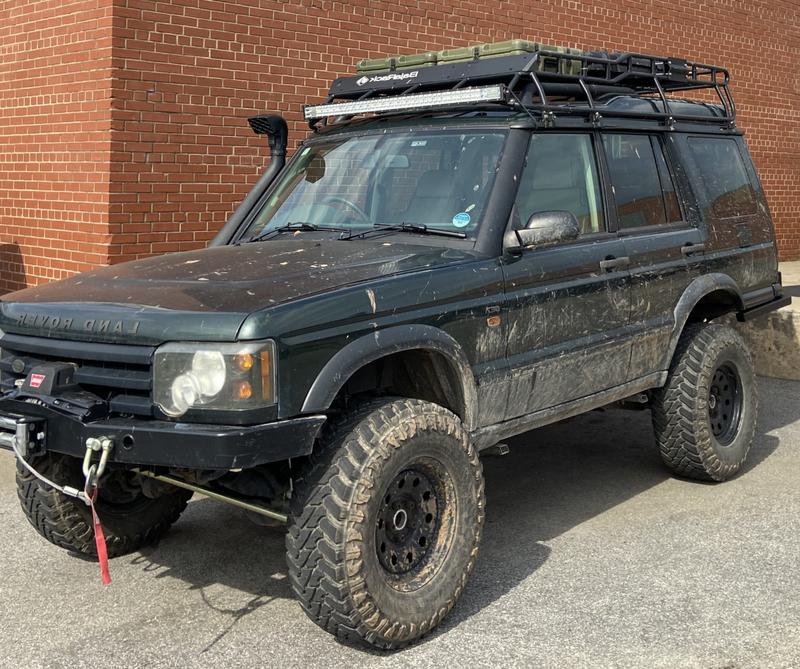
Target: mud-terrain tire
{"points": [[67, 522], [705, 416], [385, 522]]}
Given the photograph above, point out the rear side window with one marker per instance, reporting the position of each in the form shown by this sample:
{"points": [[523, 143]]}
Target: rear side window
{"points": [[643, 188], [724, 176], [561, 175]]}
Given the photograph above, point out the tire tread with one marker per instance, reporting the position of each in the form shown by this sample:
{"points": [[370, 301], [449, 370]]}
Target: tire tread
{"points": [[66, 522], [324, 565], [679, 412]]}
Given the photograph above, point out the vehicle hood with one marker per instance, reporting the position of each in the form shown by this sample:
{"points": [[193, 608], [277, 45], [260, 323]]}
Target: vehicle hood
{"points": [[206, 294]]}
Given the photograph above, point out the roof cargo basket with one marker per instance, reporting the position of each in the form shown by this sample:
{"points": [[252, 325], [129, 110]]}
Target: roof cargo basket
{"points": [[543, 81]]}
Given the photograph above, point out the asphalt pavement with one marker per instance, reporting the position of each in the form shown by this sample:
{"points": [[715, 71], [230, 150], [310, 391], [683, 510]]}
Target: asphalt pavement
{"points": [[593, 556]]}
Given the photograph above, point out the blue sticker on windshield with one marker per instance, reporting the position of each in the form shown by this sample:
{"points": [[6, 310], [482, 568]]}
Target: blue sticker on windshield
{"points": [[461, 220]]}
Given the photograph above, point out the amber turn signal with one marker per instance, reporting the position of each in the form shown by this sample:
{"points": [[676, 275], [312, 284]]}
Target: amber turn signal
{"points": [[242, 390], [266, 376], [244, 361]]}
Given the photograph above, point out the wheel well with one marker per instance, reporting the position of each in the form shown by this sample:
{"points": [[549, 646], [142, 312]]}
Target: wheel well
{"points": [[715, 304], [417, 373]]}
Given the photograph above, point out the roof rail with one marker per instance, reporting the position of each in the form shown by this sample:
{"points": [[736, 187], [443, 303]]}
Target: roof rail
{"points": [[543, 82]]}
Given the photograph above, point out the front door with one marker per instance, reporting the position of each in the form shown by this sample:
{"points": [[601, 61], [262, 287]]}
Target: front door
{"points": [[568, 304]]}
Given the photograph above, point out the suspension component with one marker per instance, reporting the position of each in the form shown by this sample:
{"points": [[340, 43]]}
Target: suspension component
{"points": [[213, 494]]}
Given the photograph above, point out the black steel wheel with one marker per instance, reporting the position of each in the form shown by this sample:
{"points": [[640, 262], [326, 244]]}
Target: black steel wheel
{"points": [[408, 522], [725, 401], [385, 522], [705, 416]]}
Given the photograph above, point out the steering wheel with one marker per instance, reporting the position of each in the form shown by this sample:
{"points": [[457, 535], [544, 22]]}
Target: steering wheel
{"points": [[352, 206]]}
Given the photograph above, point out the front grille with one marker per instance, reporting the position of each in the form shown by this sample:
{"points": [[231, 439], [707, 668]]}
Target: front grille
{"points": [[120, 374]]}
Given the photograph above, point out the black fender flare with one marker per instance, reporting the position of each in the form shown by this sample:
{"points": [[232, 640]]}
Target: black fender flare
{"points": [[696, 291], [381, 343]]}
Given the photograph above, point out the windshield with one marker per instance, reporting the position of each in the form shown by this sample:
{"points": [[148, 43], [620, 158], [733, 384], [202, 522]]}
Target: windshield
{"points": [[440, 180]]}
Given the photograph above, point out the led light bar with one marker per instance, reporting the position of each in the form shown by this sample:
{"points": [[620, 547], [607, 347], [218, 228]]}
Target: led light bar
{"points": [[495, 93]]}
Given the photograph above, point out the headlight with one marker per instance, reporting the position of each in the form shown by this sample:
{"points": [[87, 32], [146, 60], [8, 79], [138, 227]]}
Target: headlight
{"points": [[208, 367], [224, 377]]}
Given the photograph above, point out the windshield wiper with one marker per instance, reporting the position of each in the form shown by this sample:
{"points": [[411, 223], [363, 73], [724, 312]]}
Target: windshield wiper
{"points": [[414, 228], [296, 226]]}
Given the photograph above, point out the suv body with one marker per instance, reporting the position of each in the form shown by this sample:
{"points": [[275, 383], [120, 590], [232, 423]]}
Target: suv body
{"points": [[481, 298]]}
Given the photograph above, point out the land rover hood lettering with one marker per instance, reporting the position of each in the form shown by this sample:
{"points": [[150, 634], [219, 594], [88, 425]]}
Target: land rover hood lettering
{"points": [[67, 324]]}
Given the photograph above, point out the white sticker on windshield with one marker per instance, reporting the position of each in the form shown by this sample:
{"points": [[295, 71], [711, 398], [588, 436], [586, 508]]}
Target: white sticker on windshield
{"points": [[419, 142], [461, 220]]}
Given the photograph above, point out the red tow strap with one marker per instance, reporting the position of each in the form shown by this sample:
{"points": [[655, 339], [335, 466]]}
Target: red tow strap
{"points": [[100, 542]]}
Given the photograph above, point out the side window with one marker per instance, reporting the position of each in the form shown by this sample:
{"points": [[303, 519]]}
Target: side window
{"points": [[723, 173], [561, 175], [643, 188]]}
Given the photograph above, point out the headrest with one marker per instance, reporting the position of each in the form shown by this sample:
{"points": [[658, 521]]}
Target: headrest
{"points": [[434, 184], [554, 169]]}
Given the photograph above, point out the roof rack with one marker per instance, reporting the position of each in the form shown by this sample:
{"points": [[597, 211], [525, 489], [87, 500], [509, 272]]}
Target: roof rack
{"points": [[543, 81]]}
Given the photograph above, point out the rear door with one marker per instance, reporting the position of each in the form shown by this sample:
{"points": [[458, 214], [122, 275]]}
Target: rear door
{"points": [[568, 304], [665, 250]]}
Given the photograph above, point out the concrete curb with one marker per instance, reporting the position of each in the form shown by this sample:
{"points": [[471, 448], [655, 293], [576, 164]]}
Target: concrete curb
{"points": [[775, 343], [775, 338]]}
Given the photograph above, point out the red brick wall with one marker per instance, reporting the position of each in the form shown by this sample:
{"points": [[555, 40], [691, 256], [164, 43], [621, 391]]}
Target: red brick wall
{"points": [[55, 91], [187, 73]]}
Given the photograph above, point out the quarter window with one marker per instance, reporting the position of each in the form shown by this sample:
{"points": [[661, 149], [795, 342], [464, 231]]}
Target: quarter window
{"points": [[724, 175], [561, 175], [644, 192]]}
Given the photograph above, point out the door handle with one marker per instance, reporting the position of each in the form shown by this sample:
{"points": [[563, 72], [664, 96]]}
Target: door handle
{"points": [[691, 249], [614, 263]]}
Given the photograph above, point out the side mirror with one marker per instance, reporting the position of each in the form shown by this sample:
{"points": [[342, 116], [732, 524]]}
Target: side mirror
{"points": [[543, 228]]}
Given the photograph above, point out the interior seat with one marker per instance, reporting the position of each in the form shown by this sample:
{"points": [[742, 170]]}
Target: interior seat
{"points": [[433, 202], [557, 184]]}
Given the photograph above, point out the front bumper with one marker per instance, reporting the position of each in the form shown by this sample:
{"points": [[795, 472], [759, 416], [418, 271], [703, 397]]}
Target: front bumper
{"points": [[161, 443]]}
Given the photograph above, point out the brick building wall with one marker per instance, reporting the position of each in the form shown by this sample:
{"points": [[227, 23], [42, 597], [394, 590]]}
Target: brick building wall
{"points": [[127, 135], [55, 117]]}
